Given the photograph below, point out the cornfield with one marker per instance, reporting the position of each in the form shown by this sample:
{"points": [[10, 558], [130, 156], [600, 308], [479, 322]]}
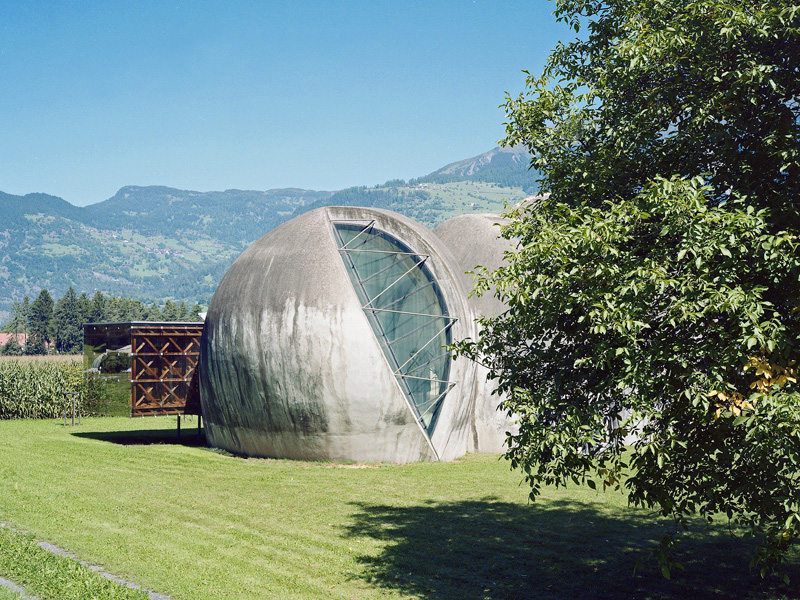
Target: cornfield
{"points": [[35, 389], [58, 358]]}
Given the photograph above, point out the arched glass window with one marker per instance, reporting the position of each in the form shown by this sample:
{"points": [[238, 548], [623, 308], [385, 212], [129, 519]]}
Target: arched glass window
{"points": [[406, 309]]}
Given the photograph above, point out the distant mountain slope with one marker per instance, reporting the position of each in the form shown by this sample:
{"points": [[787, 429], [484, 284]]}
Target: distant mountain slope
{"points": [[14, 208], [155, 243], [433, 198], [147, 242], [235, 216], [410, 202], [509, 167]]}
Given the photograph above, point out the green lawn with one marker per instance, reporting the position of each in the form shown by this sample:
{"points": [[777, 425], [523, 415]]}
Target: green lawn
{"points": [[195, 524], [7, 594], [44, 574]]}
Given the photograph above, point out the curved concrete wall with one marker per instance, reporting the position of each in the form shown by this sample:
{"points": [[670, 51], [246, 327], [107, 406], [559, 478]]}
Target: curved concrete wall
{"points": [[474, 241], [290, 366]]}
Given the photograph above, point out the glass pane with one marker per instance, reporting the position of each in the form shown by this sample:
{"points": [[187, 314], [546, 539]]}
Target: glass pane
{"points": [[406, 310], [107, 368]]}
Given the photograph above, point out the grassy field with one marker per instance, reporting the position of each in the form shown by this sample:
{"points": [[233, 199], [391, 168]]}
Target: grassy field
{"points": [[195, 524], [465, 197]]}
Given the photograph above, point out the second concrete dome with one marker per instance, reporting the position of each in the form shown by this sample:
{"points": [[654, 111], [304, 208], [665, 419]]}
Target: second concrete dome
{"points": [[474, 240]]}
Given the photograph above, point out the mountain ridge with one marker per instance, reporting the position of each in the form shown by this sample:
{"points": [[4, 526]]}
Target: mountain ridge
{"points": [[158, 242], [470, 166]]}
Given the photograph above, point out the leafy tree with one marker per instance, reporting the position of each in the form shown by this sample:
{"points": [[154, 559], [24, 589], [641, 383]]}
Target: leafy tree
{"points": [[11, 348], [654, 296], [20, 314], [42, 327], [68, 332], [115, 362]]}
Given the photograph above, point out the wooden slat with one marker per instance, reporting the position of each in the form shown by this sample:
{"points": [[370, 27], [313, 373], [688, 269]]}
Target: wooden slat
{"points": [[166, 353], [159, 380], [159, 412]]}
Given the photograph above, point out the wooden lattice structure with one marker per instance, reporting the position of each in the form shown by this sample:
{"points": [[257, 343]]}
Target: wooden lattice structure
{"points": [[163, 360]]}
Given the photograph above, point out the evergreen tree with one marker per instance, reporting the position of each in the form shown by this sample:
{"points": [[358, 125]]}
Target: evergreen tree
{"points": [[153, 313], [137, 311], [170, 312], [97, 310], [84, 308], [194, 315], [123, 308], [26, 319], [42, 327], [113, 312], [183, 313], [68, 332]]}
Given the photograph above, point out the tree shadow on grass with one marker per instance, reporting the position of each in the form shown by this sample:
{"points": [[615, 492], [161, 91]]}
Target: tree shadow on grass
{"points": [[188, 436], [491, 550]]}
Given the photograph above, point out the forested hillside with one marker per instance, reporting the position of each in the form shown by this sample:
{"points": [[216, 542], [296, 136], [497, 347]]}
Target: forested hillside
{"points": [[159, 243], [483, 183], [232, 216], [146, 242]]}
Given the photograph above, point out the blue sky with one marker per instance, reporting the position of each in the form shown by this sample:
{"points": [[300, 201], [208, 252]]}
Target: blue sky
{"points": [[209, 95]]}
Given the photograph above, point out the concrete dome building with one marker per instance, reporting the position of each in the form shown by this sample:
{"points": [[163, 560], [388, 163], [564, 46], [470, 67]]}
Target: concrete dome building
{"points": [[474, 241], [326, 340]]}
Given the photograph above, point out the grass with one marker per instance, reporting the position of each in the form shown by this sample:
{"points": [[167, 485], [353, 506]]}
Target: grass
{"points": [[195, 524], [48, 575], [7, 594]]}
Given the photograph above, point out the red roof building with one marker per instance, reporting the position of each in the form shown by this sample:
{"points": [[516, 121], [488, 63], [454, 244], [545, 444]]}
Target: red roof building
{"points": [[20, 337]]}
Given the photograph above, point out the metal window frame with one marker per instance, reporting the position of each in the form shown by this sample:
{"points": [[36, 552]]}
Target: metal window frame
{"points": [[370, 311]]}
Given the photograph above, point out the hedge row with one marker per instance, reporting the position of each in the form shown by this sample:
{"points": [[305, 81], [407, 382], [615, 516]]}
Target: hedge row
{"points": [[35, 389]]}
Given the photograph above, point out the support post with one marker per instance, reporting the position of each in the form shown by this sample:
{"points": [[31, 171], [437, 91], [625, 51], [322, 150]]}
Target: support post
{"points": [[75, 399]]}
